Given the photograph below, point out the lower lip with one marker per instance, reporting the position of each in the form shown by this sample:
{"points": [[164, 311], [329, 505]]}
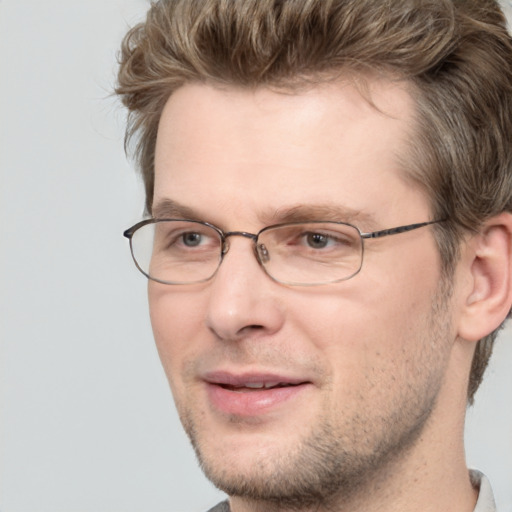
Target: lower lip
{"points": [[253, 402]]}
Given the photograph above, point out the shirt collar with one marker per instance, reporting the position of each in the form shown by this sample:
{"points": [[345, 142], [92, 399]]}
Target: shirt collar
{"points": [[485, 501]]}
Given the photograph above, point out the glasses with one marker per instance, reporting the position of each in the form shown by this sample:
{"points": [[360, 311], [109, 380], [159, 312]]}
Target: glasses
{"points": [[174, 251]]}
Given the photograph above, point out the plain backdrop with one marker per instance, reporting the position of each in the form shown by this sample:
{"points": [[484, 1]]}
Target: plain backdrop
{"points": [[87, 420]]}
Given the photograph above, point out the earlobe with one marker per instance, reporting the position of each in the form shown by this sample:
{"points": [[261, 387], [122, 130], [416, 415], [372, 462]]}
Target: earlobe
{"points": [[489, 265]]}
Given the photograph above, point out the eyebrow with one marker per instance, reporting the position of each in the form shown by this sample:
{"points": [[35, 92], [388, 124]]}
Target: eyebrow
{"points": [[327, 212], [171, 209]]}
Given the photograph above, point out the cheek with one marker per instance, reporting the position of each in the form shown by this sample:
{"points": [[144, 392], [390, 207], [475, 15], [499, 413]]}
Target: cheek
{"points": [[176, 319], [370, 333]]}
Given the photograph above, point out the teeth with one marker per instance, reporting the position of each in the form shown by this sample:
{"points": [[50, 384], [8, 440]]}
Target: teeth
{"points": [[260, 385], [254, 385]]}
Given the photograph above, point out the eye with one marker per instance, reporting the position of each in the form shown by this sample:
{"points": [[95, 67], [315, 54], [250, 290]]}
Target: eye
{"points": [[192, 239], [312, 240], [317, 240], [185, 236]]}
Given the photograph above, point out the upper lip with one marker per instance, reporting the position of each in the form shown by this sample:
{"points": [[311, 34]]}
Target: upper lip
{"points": [[225, 378]]}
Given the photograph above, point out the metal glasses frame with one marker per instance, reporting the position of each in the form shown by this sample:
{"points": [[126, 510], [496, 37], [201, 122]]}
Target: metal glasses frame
{"points": [[254, 237]]}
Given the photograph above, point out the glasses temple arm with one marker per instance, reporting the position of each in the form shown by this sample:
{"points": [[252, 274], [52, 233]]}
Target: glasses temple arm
{"points": [[399, 229]]}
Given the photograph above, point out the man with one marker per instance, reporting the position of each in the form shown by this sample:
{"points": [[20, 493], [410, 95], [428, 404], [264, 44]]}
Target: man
{"points": [[329, 242]]}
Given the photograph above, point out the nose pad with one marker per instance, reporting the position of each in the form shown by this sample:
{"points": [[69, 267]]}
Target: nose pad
{"points": [[262, 253], [225, 248]]}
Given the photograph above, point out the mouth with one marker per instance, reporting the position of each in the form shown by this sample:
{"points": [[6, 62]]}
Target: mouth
{"points": [[254, 394], [251, 381], [249, 387]]}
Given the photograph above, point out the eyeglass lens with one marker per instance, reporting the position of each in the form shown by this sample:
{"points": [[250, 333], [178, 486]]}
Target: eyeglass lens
{"points": [[180, 252]]}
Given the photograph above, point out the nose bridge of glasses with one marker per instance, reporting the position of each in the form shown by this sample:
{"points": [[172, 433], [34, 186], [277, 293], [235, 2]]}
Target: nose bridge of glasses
{"points": [[244, 234]]}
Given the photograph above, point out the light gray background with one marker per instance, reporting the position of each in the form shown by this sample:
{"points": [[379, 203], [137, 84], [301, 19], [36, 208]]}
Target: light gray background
{"points": [[87, 421]]}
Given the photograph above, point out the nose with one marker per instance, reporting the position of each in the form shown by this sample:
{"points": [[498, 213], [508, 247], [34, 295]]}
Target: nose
{"points": [[243, 301]]}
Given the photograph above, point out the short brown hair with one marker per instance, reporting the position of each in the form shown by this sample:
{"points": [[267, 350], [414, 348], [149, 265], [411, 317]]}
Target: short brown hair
{"points": [[457, 54]]}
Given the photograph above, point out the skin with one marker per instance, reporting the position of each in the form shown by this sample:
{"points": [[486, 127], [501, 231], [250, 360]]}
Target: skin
{"points": [[378, 422]]}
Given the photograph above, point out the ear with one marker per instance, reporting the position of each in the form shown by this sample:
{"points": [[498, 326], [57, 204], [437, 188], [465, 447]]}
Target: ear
{"points": [[487, 261]]}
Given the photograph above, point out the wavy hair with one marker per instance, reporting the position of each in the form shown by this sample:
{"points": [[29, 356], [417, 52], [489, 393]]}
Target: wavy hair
{"points": [[456, 54]]}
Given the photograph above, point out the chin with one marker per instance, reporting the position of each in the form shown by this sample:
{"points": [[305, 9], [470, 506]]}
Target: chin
{"points": [[307, 462]]}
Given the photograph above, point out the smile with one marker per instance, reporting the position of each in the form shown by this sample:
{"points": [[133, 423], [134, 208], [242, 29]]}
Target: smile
{"points": [[250, 386], [252, 395]]}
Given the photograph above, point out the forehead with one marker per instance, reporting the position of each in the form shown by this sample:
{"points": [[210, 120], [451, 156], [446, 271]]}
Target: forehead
{"points": [[330, 144]]}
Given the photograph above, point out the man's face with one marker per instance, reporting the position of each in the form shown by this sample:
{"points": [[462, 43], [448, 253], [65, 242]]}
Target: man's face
{"points": [[359, 363]]}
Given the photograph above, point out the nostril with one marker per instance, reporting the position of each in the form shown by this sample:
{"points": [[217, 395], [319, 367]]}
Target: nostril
{"points": [[245, 331]]}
